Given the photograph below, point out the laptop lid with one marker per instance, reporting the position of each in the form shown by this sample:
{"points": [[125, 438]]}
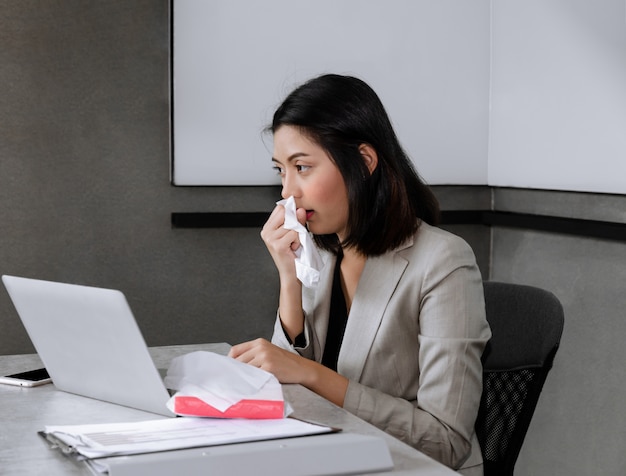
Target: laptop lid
{"points": [[89, 341]]}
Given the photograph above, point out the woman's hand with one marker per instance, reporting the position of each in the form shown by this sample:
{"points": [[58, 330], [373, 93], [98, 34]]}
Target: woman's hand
{"points": [[286, 366], [282, 243]]}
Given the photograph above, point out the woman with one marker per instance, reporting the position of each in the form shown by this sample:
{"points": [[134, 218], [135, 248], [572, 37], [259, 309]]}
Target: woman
{"points": [[396, 327]]}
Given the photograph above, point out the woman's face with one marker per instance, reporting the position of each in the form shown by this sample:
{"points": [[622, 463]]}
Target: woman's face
{"points": [[308, 173]]}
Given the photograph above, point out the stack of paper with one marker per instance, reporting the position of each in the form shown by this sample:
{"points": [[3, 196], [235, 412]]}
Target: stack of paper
{"points": [[202, 447], [114, 439]]}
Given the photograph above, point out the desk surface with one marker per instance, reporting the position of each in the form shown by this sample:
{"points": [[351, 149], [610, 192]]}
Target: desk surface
{"points": [[24, 411]]}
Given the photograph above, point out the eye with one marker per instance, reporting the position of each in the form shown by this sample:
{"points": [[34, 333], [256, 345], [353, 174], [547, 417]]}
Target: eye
{"points": [[279, 170], [302, 168]]}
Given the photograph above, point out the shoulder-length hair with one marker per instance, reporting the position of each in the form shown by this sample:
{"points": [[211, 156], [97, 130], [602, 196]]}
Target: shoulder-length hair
{"points": [[341, 113]]}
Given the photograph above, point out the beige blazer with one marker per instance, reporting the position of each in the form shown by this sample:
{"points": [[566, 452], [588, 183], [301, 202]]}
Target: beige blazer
{"points": [[412, 344]]}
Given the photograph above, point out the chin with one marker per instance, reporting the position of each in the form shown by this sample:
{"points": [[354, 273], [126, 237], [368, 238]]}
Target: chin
{"points": [[316, 230]]}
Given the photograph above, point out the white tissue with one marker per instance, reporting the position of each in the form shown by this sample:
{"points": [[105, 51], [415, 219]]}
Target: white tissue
{"points": [[308, 260], [220, 381]]}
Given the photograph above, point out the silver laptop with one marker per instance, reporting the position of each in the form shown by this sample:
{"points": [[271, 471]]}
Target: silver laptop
{"points": [[88, 340]]}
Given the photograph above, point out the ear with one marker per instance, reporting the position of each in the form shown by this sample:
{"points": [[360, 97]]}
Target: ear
{"points": [[370, 156]]}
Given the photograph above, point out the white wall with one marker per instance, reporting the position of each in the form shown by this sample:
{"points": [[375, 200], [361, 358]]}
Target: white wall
{"points": [[521, 93], [558, 95], [235, 60]]}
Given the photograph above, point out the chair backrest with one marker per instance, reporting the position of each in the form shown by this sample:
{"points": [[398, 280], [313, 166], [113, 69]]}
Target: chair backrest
{"points": [[526, 324]]}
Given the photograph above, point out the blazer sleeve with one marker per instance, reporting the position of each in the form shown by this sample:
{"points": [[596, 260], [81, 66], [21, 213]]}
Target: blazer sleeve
{"points": [[439, 419], [280, 339]]}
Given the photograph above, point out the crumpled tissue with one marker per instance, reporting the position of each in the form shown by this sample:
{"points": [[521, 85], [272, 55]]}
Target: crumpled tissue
{"points": [[213, 385], [308, 259]]}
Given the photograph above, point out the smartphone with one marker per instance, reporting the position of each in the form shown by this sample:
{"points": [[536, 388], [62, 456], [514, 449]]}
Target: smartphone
{"points": [[31, 378]]}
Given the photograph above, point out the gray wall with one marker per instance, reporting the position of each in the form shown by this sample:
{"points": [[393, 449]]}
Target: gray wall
{"points": [[84, 177], [85, 197], [579, 427]]}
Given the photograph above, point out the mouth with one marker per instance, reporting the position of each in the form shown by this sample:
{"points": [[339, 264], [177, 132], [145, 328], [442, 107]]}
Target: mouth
{"points": [[309, 214]]}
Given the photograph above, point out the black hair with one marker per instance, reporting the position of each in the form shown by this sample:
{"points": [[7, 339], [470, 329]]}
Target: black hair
{"points": [[340, 114]]}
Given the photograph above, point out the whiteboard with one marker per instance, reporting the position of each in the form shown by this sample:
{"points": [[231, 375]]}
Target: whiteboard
{"points": [[235, 60], [558, 101]]}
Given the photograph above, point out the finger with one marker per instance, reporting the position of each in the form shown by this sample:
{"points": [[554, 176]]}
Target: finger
{"points": [[282, 241], [295, 243], [301, 215], [239, 349], [273, 228], [276, 218]]}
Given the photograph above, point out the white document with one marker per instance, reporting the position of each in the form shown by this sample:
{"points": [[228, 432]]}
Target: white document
{"points": [[114, 439]]}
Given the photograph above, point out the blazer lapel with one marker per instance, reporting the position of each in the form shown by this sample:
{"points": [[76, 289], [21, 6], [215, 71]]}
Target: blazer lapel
{"points": [[321, 304], [376, 286]]}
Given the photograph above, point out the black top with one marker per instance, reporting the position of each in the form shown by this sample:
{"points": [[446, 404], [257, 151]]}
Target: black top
{"points": [[336, 320]]}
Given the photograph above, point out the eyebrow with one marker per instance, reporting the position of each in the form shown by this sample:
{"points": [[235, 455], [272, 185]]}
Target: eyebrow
{"points": [[291, 157]]}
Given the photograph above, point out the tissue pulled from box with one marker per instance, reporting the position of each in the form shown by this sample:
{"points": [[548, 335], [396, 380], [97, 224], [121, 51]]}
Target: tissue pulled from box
{"points": [[308, 259], [213, 385]]}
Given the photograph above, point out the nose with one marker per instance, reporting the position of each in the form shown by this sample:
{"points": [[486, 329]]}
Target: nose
{"points": [[290, 186]]}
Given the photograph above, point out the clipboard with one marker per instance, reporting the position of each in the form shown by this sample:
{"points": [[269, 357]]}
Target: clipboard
{"points": [[326, 454], [90, 442]]}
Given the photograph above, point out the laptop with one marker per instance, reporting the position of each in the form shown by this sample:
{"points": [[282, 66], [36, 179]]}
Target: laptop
{"points": [[88, 339], [89, 342]]}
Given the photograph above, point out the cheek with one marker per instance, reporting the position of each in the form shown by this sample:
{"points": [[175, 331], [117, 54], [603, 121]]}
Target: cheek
{"points": [[337, 188], [336, 205], [324, 196], [331, 193]]}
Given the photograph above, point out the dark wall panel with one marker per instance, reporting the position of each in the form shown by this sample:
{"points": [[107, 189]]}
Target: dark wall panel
{"points": [[84, 177]]}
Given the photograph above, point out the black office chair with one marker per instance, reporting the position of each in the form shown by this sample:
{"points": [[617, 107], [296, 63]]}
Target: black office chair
{"points": [[526, 324]]}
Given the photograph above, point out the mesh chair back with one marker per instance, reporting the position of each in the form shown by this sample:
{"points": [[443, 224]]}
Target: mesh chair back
{"points": [[526, 324]]}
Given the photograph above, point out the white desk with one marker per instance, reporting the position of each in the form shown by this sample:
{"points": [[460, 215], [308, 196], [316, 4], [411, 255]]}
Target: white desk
{"points": [[24, 411]]}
